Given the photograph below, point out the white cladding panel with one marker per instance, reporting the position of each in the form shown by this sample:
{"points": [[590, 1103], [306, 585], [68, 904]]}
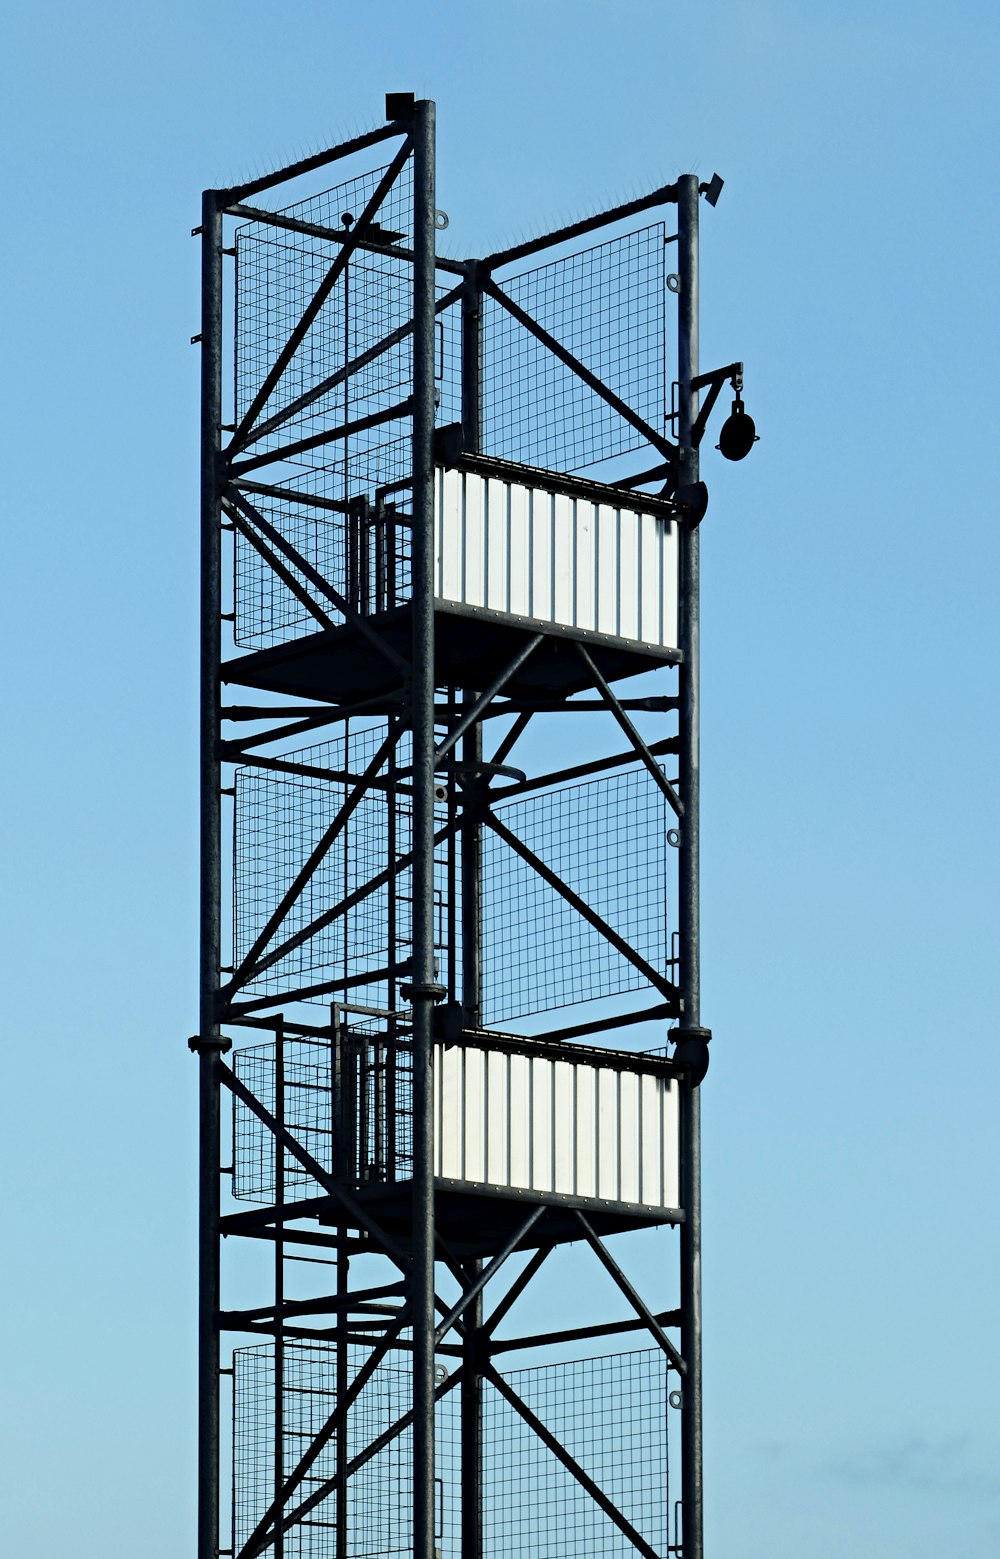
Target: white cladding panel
{"points": [[575, 1128], [542, 556]]}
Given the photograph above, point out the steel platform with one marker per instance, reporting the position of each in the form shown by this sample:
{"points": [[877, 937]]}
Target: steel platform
{"points": [[472, 648]]}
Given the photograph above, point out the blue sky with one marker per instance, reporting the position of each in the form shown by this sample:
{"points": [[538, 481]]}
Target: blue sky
{"points": [[850, 690]]}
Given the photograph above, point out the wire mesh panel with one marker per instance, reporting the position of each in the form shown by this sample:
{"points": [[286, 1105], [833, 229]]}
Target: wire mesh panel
{"points": [[280, 819], [364, 553], [278, 275], [348, 1101], [607, 306], [353, 915], [379, 1503], [610, 1414], [343, 373], [607, 840]]}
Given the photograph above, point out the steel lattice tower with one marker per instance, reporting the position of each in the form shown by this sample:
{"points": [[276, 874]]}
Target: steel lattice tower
{"points": [[444, 499]]}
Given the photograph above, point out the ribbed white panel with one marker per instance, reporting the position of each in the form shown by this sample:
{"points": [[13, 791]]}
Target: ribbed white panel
{"points": [[547, 558], [577, 1128]]}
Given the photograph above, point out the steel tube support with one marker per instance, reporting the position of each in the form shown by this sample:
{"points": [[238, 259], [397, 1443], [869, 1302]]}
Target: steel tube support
{"points": [[689, 978], [471, 1407], [210, 880], [472, 1427], [424, 989], [472, 361], [343, 1385]]}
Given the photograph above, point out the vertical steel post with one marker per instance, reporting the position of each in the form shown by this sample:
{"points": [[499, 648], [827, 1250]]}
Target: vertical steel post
{"points": [[424, 987], [208, 1041], [472, 755], [688, 868], [343, 1381], [472, 1426], [472, 360], [279, 1290]]}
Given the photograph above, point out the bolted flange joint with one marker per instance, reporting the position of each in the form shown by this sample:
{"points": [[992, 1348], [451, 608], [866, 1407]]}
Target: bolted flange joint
{"points": [[218, 1042], [431, 988], [691, 1051]]}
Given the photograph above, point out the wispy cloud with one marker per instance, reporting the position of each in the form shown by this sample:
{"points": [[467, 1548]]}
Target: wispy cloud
{"points": [[917, 1462]]}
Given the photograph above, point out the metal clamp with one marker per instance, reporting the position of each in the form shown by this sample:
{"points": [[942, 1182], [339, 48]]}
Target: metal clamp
{"points": [[691, 1051], [218, 1042], [431, 988]]}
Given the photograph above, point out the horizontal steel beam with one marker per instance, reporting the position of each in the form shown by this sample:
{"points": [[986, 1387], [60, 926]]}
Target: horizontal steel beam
{"points": [[331, 235], [617, 760], [581, 1333], [295, 170], [666, 195], [397, 971], [335, 435]]}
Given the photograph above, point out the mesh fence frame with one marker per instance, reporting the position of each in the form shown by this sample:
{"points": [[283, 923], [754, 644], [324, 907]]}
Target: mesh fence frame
{"points": [[607, 306], [280, 817], [376, 1136], [610, 1412], [379, 1507], [277, 275], [607, 840]]}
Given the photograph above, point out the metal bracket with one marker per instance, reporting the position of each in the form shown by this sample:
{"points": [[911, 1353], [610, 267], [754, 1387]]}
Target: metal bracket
{"points": [[713, 382]]}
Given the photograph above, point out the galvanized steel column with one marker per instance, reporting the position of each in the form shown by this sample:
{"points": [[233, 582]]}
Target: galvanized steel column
{"points": [[472, 971], [207, 1045], [423, 981], [688, 867]]}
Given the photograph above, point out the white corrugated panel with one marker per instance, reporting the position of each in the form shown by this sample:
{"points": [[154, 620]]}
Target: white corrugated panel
{"points": [[547, 558], [573, 1128]]}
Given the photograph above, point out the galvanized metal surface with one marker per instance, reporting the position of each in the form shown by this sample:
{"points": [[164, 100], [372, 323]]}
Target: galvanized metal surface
{"points": [[423, 989], [565, 1127], [550, 558], [689, 902]]}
